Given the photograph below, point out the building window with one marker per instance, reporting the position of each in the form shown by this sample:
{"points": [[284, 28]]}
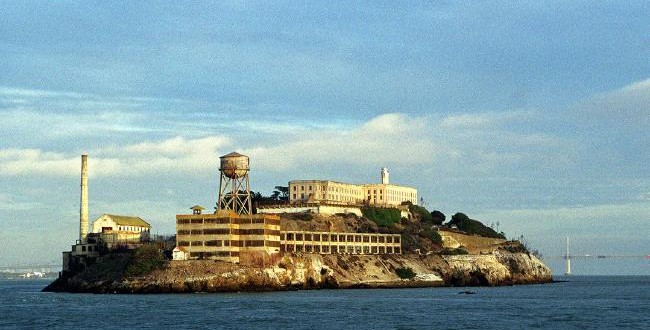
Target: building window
{"points": [[309, 188], [294, 188], [302, 188], [294, 195]]}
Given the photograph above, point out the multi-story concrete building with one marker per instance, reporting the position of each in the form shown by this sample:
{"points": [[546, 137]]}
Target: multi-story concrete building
{"points": [[340, 243], [227, 235], [233, 234], [332, 192]]}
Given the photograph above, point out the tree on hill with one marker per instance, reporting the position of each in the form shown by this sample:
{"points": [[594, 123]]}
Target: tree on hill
{"points": [[438, 217], [458, 218], [471, 226], [281, 193]]}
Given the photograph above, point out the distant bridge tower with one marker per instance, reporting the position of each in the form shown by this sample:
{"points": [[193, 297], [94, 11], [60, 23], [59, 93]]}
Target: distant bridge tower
{"points": [[234, 186], [568, 258], [385, 176]]}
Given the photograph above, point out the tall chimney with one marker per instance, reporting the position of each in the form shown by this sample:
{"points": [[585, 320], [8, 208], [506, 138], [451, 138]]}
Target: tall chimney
{"points": [[83, 209]]}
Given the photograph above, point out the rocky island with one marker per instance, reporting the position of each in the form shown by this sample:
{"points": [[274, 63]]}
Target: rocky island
{"points": [[312, 234], [456, 259]]}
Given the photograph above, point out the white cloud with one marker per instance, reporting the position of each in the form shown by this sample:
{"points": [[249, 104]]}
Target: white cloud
{"points": [[414, 143], [600, 228], [484, 120], [393, 138], [26, 161], [38, 93], [177, 155], [624, 108], [9, 203]]}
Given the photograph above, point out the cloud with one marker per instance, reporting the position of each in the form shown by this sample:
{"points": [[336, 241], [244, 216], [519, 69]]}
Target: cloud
{"points": [[38, 93], [394, 138], [464, 145], [416, 144], [175, 155], [9, 203], [601, 228], [625, 108], [484, 120]]}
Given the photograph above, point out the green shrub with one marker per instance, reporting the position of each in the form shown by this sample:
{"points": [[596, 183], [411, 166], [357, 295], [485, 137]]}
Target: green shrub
{"points": [[405, 273], [144, 260], [385, 217], [420, 213], [453, 252], [432, 235]]}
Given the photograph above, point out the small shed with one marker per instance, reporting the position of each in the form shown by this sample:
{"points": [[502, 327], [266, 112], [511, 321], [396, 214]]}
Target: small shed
{"points": [[179, 253], [197, 209]]}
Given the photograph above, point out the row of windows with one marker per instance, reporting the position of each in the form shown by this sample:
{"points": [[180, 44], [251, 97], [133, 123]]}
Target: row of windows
{"points": [[228, 231], [88, 248], [340, 238], [201, 255], [331, 189], [354, 191], [331, 197], [241, 221], [132, 228], [342, 249], [233, 243]]}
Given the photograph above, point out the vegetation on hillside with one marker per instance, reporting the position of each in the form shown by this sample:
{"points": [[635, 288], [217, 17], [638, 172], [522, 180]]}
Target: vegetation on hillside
{"points": [[437, 217], [474, 227], [432, 235], [421, 213], [405, 273], [456, 251], [384, 217], [144, 260]]}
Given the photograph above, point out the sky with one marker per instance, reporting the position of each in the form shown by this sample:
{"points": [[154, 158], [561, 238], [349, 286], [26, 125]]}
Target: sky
{"points": [[531, 116]]}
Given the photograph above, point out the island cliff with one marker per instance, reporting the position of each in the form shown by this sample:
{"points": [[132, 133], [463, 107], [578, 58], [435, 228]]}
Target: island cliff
{"points": [[312, 271], [483, 262]]}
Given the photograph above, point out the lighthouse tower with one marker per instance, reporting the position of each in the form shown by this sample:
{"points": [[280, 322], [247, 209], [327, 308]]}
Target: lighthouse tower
{"points": [[385, 176]]}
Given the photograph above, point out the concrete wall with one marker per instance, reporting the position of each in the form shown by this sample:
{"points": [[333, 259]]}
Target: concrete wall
{"points": [[313, 208]]}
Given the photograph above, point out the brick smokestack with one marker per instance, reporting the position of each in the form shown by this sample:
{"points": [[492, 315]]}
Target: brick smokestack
{"points": [[83, 209]]}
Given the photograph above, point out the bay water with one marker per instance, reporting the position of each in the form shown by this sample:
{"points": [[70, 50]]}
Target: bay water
{"points": [[577, 302]]}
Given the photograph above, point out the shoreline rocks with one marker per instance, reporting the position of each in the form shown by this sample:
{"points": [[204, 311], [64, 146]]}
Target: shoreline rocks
{"points": [[314, 271]]}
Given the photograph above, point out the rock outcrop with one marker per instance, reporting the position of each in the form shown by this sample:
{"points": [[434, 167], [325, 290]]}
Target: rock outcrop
{"points": [[312, 271]]}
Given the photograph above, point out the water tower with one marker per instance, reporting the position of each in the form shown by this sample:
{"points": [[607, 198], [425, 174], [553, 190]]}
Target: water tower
{"points": [[234, 186]]}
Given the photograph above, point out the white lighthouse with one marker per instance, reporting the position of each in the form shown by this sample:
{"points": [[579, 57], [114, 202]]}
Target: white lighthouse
{"points": [[385, 176]]}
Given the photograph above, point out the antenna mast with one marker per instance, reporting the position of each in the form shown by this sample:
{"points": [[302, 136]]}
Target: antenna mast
{"points": [[568, 258]]}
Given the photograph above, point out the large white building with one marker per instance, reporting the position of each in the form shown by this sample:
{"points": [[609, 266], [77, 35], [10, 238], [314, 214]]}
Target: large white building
{"points": [[122, 228], [340, 193]]}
